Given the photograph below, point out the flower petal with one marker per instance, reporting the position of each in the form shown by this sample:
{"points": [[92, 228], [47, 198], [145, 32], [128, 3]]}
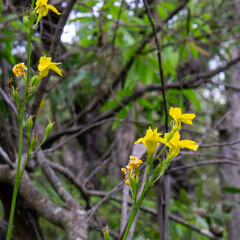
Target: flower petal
{"points": [[188, 144], [55, 68], [51, 7], [175, 113], [187, 118]]}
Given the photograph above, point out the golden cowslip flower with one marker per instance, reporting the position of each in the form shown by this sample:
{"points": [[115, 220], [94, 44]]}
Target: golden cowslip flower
{"points": [[176, 114], [175, 144], [134, 163], [45, 65], [42, 8], [19, 70], [151, 140]]}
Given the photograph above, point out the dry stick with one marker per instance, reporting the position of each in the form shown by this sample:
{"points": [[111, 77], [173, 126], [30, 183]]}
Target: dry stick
{"points": [[116, 189], [69, 201], [192, 165], [209, 131], [8, 100], [219, 144], [5, 157], [103, 162], [159, 64], [72, 178], [78, 134]]}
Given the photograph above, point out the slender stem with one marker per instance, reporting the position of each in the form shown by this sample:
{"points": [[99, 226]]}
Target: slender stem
{"points": [[134, 212], [16, 184], [20, 118]]}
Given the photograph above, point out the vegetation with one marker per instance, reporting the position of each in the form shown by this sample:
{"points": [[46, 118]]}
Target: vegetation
{"points": [[81, 81]]}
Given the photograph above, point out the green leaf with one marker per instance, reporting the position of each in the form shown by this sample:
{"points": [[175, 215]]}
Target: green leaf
{"points": [[145, 103], [192, 97], [161, 11], [169, 6], [232, 190]]}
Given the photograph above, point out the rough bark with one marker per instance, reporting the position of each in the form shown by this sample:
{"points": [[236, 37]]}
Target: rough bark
{"points": [[230, 131], [73, 221]]}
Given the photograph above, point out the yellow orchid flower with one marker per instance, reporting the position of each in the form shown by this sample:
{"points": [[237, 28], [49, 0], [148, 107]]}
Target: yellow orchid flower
{"points": [[151, 140], [176, 114], [42, 8], [175, 144], [45, 65], [19, 70]]}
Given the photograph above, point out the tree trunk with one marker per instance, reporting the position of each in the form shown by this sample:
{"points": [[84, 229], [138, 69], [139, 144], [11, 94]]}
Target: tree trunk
{"points": [[230, 131]]}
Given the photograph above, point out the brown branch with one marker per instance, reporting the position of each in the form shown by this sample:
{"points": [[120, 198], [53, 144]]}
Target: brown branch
{"points": [[196, 164], [72, 221], [69, 201], [159, 64]]}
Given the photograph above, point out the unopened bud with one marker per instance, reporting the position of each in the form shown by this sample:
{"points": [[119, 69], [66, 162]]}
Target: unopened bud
{"points": [[34, 81], [26, 22], [48, 130], [29, 123], [106, 233], [34, 142], [15, 96]]}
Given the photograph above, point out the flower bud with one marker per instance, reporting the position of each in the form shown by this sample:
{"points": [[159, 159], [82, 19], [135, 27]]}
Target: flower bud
{"points": [[34, 81], [106, 233], [48, 130], [15, 96], [26, 23], [34, 142], [29, 123]]}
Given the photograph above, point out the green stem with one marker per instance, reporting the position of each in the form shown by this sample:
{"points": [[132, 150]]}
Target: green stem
{"points": [[16, 184], [134, 212], [20, 118], [139, 202]]}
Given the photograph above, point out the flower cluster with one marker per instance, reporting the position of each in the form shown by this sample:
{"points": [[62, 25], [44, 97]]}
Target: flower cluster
{"points": [[171, 141], [132, 169]]}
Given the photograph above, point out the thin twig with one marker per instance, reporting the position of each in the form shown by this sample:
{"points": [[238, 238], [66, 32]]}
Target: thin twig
{"points": [[159, 64]]}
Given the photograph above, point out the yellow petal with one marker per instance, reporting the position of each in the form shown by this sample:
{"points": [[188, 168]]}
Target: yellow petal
{"points": [[51, 7], [55, 68], [175, 113], [44, 73], [188, 144], [187, 118], [139, 141]]}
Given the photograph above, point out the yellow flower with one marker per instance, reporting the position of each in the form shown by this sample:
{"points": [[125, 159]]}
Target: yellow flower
{"points": [[151, 140], [42, 8], [134, 163], [45, 65], [174, 144], [19, 69], [176, 114]]}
